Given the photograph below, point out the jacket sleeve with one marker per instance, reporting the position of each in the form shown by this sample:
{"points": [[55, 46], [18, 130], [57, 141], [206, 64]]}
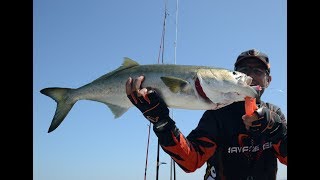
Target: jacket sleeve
{"points": [[189, 153], [280, 139]]}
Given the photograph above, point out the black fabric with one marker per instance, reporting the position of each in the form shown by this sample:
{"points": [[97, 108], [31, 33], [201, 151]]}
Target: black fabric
{"points": [[152, 106], [240, 157], [268, 123], [239, 154]]}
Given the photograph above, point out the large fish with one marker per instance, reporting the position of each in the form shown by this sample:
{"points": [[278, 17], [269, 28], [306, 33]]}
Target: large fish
{"points": [[181, 86]]}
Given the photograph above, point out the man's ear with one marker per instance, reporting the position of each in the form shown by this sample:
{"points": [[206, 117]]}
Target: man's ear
{"points": [[269, 78]]}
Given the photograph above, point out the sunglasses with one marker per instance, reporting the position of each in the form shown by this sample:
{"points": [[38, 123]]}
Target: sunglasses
{"points": [[256, 71]]}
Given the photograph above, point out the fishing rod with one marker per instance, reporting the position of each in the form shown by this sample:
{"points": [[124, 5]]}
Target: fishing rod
{"points": [[173, 164], [158, 162], [146, 166], [162, 52]]}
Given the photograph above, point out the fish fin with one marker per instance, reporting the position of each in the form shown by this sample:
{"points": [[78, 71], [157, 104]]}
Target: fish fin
{"points": [[127, 63], [117, 111], [64, 105], [174, 84]]}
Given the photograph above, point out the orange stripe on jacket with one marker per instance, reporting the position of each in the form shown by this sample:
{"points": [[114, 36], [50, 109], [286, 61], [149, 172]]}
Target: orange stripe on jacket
{"points": [[191, 159], [283, 160]]}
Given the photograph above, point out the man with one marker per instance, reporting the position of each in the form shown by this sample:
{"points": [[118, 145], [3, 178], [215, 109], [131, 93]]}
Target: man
{"points": [[234, 145]]}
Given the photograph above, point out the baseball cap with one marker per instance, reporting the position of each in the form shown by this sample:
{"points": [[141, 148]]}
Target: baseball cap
{"points": [[254, 53]]}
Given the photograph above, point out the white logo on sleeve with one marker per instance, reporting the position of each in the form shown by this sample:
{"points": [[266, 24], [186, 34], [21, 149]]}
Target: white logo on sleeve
{"points": [[213, 174]]}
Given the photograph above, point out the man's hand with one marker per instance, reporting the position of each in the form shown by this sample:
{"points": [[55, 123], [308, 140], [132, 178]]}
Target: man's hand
{"points": [[248, 119], [263, 120], [146, 100]]}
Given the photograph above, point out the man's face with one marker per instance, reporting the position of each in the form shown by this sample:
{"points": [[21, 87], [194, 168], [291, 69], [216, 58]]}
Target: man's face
{"points": [[257, 70]]}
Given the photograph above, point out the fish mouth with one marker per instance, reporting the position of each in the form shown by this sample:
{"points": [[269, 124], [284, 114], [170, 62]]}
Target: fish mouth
{"points": [[248, 80]]}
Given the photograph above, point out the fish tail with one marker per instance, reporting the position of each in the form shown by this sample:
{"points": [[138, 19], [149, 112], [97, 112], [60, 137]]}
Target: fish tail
{"points": [[64, 104]]}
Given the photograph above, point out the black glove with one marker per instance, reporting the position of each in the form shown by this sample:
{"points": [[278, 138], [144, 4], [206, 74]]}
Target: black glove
{"points": [[152, 106], [269, 123]]}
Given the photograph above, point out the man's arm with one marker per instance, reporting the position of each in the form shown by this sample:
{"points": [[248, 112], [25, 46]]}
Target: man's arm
{"points": [[280, 142], [190, 155], [270, 121]]}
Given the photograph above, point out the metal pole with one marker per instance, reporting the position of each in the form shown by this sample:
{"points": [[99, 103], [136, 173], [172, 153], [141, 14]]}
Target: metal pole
{"points": [[146, 166], [174, 169], [158, 162]]}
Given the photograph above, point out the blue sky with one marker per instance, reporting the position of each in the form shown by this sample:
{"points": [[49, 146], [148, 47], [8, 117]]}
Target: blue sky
{"points": [[76, 42]]}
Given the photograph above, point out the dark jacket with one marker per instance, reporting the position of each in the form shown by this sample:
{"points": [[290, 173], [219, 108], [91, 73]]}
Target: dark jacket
{"points": [[230, 151]]}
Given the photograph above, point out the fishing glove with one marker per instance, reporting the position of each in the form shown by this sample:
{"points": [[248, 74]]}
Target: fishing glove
{"points": [[269, 124], [153, 108]]}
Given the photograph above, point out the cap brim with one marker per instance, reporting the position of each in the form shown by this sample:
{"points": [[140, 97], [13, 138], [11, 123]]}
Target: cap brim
{"points": [[255, 57]]}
